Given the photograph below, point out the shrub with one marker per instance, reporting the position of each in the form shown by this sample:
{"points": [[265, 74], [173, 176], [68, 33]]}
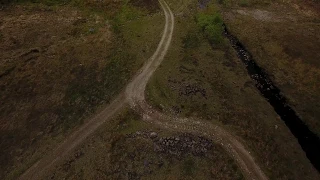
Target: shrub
{"points": [[214, 33], [212, 26]]}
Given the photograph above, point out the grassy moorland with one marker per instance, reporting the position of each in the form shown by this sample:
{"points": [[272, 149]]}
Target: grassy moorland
{"points": [[59, 63], [282, 36], [202, 77]]}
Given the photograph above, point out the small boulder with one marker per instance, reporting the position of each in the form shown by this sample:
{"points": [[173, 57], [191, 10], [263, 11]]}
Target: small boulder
{"points": [[153, 135]]}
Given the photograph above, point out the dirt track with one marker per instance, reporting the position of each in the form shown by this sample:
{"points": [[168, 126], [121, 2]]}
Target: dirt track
{"points": [[135, 96]]}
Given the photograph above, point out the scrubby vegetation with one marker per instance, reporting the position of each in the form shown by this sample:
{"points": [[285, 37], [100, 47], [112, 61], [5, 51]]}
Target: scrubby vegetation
{"points": [[212, 26]]}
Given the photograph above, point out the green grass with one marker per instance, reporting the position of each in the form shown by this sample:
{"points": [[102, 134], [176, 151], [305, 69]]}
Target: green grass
{"points": [[131, 123], [127, 13], [188, 167]]}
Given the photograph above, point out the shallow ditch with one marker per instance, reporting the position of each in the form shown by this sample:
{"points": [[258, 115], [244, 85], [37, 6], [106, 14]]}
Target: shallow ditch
{"points": [[309, 141]]}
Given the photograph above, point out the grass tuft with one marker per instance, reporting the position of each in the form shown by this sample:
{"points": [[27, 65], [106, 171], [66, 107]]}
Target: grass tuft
{"points": [[189, 166], [191, 40]]}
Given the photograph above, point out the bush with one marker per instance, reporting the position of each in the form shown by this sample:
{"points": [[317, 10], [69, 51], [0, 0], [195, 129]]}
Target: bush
{"points": [[212, 26], [214, 33]]}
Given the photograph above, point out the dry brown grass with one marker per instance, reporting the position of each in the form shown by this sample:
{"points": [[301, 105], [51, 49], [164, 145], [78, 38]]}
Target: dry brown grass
{"points": [[45, 50], [286, 46], [58, 65]]}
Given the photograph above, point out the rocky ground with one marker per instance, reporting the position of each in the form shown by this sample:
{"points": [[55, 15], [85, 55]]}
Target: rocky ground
{"points": [[137, 150], [179, 145]]}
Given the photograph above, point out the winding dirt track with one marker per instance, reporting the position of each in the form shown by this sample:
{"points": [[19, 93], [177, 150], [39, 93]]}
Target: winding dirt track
{"points": [[135, 96]]}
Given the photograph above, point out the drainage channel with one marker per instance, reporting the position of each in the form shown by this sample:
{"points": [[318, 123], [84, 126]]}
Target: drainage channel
{"points": [[309, 141]]}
